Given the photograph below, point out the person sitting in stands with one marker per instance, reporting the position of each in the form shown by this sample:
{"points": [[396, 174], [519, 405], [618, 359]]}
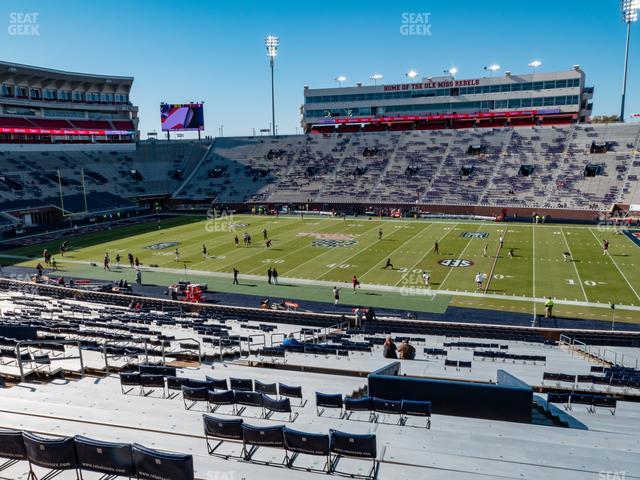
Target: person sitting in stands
{"points": [[291, 340], [407, 351], [389, 348]]}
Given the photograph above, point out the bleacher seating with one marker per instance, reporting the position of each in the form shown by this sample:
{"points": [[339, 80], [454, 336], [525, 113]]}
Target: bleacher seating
{"points": [[82, 454]]}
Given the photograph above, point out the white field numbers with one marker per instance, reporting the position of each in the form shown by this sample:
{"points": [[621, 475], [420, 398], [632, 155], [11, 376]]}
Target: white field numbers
{"points": [[588, 283]]}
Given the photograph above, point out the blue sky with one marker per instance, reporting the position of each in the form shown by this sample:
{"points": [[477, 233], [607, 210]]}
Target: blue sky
{"points": [[213, 50]]}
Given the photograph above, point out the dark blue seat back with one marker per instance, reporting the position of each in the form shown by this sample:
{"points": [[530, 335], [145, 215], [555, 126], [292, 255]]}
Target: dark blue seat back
{"points": [[364, 404], [416, 408], [157, 465], [175, 383], [201, 384], [241, 384], [218, 384], [275, 405], [225, 397], [263, 436], [289, 391], [130, 379], [251, 399], [348, 445], [386, 406], [104, 457], [195, 394], [12, 445], [152, 381], [329, 400], [223, 428], [307, 443], [270, 388], [158, 370], [558, 397], [53, 453]]}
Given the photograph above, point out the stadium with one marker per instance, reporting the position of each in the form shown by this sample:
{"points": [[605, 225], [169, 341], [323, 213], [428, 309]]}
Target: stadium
{"points": [[445, 269]]}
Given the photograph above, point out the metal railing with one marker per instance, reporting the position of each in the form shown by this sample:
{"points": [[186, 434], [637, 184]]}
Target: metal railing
{"points": [[26, 343]]}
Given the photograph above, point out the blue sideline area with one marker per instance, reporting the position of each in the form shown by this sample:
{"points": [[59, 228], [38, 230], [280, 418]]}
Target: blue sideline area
{"points": [[509, 399]]}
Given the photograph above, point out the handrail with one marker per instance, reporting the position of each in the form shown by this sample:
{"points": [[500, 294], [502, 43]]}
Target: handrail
{"points": [[277, 334], [250, 342], [20, 343], [190, 339], [115, 343]]}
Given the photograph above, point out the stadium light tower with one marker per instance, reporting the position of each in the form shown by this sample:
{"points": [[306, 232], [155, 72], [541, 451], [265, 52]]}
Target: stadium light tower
{"points": [[411, 74], [452, 71], [535, 64], [375, 77], [339, 79], [630, 15], [272, 43]]}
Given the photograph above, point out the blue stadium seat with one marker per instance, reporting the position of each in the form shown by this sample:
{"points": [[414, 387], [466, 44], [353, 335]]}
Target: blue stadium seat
{"points": [[416, 408], [108, 458], [11, 448], [241, 384], [291, 392], [355, 446], [220, 398], [364, 404], [222, 430], [193, 396], [256, 437], [55, 454], [297, 443], [272, 406], [159, 465], [268, 388], [249, 399], [329, 400]]}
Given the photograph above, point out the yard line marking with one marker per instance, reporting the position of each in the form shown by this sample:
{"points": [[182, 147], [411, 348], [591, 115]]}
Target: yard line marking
{"points": [[459, 256], [427, 253], [402, 245], [574, 264], [616, 265], [533, 256], [495, 260]]}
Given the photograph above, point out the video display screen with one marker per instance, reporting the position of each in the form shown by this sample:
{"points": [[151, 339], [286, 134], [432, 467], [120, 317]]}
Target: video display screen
{"points": [[188, 116]]}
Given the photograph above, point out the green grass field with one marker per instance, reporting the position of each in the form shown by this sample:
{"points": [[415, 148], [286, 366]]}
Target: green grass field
{"points": [[314, 253]]}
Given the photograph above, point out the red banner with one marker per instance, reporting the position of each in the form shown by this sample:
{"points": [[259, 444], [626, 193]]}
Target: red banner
{"points": [[56, 131]]}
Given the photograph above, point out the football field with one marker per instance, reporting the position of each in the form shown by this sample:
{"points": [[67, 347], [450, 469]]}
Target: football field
{"points": [[318, 252]]}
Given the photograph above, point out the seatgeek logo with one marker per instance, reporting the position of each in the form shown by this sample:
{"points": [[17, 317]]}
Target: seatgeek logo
{"points": [[23, 24], [415, 24]]}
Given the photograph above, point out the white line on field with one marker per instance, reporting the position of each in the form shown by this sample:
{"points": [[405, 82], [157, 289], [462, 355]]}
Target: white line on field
{"points": [[422, 230], [427, 253], [459, 256], [616, 265], [574, 264]]}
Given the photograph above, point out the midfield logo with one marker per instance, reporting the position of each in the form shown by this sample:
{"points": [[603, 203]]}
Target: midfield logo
{"points": [[455, 263], [161, 246], [474, 235], [333, 243]]}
